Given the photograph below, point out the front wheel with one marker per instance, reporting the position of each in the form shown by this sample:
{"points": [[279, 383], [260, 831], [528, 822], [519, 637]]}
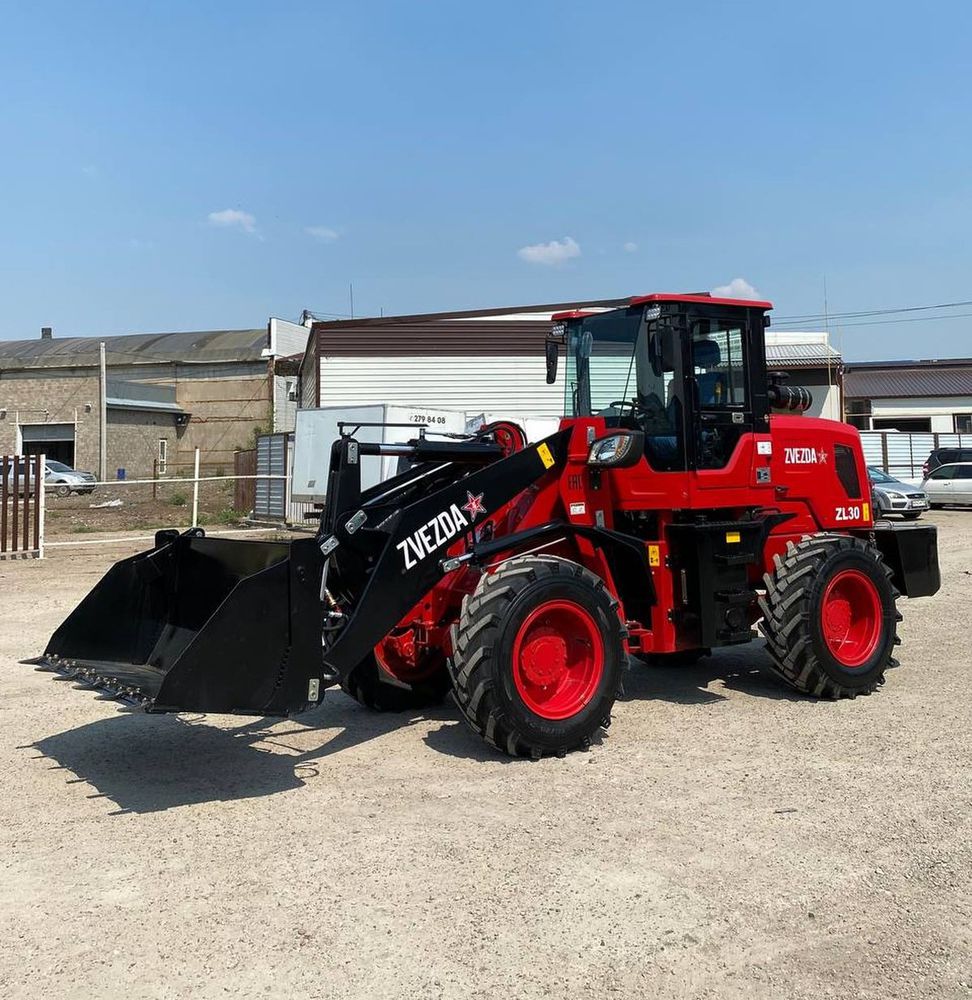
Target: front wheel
{"points": [[912, 515], [385, 681], [829, 616], [538, 657], [63, 491]]}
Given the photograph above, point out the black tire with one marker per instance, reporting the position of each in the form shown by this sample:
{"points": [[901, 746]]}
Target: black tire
{"points": [[936, 506], [912, 515], [370, 685], [63, 491], [482, 667], [793, 616]]}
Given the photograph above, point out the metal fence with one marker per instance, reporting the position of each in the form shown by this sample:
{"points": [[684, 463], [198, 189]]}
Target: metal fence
{"points": [[902, 453], [21, 506]]}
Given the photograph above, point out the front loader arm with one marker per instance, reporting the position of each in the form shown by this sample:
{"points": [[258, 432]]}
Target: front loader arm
{"points": [[385, 552]]}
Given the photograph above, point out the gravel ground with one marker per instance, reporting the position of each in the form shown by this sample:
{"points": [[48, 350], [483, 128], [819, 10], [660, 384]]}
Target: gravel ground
{"points": [[727, 839]]}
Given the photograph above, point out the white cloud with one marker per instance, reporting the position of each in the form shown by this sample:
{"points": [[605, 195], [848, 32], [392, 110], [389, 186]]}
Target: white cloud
{"points": [[738, 288], [630, 247], [232, 218], [323, 234], [553, 253]]}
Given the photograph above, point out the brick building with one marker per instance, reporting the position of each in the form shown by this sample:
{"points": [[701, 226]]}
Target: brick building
{"points": [[164, 395]]}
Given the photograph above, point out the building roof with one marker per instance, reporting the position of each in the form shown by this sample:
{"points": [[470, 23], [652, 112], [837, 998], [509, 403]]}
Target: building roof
{"points": [[135, 348], [802, 355], [905, 379]]}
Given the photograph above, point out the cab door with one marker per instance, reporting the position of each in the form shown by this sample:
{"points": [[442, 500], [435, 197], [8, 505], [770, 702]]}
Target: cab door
{"points": [[728, 428]]}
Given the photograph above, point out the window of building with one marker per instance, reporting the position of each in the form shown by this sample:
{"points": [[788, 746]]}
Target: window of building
{"points": [[963, 423], [913, 424], [163, 455], [858, 413]]}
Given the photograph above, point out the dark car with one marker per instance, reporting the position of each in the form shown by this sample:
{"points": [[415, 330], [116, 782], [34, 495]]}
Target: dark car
{"points": [[945, 456], [891, 496]]}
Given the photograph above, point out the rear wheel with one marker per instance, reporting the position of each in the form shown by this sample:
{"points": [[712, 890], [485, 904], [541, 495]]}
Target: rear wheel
{"points": [[538, 657], [829, 616], [386, 681]]}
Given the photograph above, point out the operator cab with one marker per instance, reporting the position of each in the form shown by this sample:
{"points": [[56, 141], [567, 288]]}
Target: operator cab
{"points": [[687, 371]]}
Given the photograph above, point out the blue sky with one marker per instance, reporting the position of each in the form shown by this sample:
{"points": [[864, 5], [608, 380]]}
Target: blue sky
{"points": [[204, 165]]}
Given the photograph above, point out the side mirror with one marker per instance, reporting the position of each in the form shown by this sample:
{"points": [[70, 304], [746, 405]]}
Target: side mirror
{"points": [[552, 351], [661, 348], [619, 450]]}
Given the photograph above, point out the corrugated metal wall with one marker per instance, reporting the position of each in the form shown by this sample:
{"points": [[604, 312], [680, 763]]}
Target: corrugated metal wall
{"points": [[270, 499], [512, 383], [901, 454]]}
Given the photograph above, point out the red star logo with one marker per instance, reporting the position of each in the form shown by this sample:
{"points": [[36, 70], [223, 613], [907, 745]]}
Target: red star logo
{"points": [[822, 456], [473, 505]]}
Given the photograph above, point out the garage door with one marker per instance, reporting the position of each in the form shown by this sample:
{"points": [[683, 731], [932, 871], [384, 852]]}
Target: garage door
{"points": [[56, 441]]}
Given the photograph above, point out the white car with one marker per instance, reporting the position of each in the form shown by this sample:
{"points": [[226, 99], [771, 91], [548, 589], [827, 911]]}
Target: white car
{"points": [[64, 480], [949, 484]]}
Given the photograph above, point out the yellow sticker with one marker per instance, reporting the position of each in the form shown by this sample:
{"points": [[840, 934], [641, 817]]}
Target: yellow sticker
{"points": [[654, 556], [544, 452], [867, 512], [733, 537]]}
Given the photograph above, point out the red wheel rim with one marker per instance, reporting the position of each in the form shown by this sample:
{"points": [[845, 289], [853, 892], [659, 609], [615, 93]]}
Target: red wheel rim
{"points": [[851, 617], [558, 659]]}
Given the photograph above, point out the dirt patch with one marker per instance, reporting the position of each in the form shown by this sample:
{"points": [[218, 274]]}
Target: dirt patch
{"points": [[727, 839], [121, 507]]}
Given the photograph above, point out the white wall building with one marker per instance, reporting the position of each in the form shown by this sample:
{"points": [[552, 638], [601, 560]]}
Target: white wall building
{"points": [[492, 361], [918, 396]]}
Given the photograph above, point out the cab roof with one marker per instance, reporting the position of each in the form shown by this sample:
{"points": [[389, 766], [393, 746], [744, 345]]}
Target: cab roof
{"points": [[710, 300], [637, 300]]}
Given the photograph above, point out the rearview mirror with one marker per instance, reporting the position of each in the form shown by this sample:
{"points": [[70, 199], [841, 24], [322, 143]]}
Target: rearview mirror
{"points": [[552, 350]]}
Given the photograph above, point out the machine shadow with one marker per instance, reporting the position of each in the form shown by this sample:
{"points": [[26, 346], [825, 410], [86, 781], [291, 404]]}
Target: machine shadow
{"points": [[148, 763], [743, 668]]}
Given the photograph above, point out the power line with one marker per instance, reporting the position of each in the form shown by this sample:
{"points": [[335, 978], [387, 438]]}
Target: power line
{"points": [[880, 322], [818, 317]]}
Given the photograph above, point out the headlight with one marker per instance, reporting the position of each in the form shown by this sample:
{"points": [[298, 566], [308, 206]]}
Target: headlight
{"points": [[893, 495], [618, 450]]}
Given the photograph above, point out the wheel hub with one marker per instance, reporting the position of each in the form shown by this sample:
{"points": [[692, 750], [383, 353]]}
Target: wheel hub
{"points": [[544, 659], [558, 659], [851, 619]]}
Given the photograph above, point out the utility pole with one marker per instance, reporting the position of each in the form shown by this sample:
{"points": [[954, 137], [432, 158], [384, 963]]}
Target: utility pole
{"points": [[103, 419]]}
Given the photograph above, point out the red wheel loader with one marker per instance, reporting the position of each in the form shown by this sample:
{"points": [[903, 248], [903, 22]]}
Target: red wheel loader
{"points": [[684, 500]]}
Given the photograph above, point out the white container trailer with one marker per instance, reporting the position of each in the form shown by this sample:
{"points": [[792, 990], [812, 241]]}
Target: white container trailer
{"points": [[317, 429]]}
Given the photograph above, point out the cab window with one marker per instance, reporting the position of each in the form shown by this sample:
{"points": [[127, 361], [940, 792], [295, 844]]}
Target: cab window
{"points": [[943, 472], [718, 364]]}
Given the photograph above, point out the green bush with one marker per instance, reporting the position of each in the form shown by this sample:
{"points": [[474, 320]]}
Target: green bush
{"points": [[178, 500], [82, 529]]}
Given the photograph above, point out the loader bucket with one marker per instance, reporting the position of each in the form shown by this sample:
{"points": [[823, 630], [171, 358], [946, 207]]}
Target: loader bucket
{"points": [[200, 625]]}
